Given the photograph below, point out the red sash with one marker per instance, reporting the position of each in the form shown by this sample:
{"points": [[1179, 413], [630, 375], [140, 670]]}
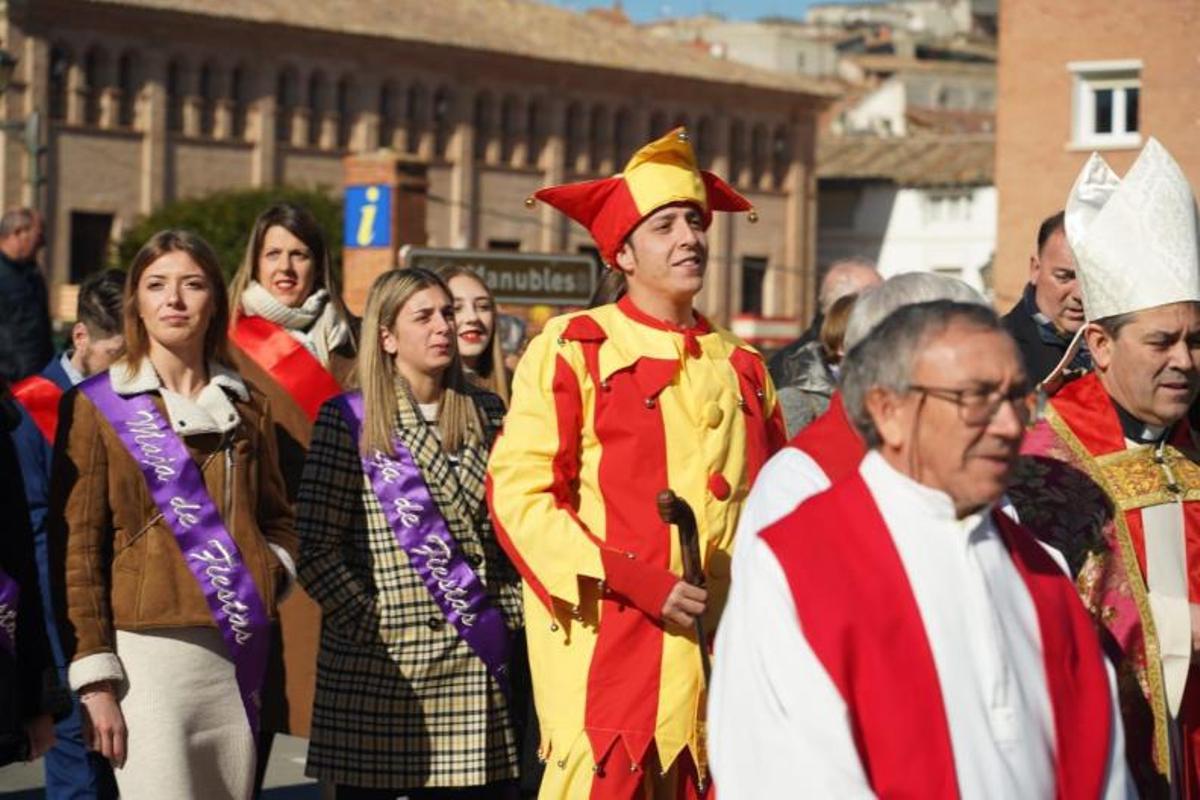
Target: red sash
{"points": [[287, 361], [40, 398], [832, 442], [860, 616]]}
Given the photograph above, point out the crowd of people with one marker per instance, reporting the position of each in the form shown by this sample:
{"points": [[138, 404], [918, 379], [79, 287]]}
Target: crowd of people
{"points": [[238, 511]]}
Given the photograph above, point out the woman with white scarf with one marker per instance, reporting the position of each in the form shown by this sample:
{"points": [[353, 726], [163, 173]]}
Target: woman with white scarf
{"points": [[297, 342]]}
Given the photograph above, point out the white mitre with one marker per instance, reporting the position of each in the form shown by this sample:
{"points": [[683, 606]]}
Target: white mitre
{"points": [[1136, 241]]}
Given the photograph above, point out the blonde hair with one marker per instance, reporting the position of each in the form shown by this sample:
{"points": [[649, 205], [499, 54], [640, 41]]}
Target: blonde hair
{"points": [[298, 221], [458, 419], [137, 340], [490, 371]]}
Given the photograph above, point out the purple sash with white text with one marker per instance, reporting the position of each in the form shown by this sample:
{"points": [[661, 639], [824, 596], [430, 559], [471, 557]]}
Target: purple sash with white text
{"points": [[432, 550], [10, 595], [177, 486]]}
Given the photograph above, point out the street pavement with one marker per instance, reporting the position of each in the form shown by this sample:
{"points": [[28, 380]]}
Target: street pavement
{"points": [[285, 775]]}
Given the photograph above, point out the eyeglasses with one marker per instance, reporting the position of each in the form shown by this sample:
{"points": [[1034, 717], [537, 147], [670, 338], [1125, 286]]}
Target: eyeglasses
{"points": [[979, 405]]}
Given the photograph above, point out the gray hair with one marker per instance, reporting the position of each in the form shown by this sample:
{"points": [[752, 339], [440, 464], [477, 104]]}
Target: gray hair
{"points": [[16, 219], [886, 357], [842, 278], [874, 305]]}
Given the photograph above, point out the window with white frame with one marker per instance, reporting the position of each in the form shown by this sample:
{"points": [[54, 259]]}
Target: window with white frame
{"points": [[1106, 103]]}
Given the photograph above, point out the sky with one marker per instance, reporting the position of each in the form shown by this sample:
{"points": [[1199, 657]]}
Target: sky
{"points": [[646, 10]]}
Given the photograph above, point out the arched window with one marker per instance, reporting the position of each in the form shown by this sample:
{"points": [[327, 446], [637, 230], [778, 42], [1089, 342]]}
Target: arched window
{"points": [[623, 143], [658, 125], [285, 104], [127, 84], [703, 142], [415, 115], [535, 131], [206, 89], [781, 156], [758, 154], [345, 117], [597, 137], [93, 65], [576, 136], [737, 153], [509, 127], [389, 119], [316, 105], [60, 77], [443, 122], [174, 95], [238, 96], [483, 124]]}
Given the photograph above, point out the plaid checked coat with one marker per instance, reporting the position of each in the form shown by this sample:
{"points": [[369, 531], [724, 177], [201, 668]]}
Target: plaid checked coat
{"points": [[401, 701]]}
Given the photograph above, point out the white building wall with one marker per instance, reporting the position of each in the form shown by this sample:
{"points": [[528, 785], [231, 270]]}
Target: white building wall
{"points": [[880, 112], [950, 231]]}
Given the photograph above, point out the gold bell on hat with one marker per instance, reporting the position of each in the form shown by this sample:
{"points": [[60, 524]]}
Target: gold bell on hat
{"points": [[752, 215], [530, 201]]}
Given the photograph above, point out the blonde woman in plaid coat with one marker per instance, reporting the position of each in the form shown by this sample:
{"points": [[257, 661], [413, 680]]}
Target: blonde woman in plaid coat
{"points": [[404, 703]]}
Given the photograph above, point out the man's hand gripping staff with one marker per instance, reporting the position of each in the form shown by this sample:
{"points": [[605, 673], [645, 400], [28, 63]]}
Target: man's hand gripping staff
{"points": [[685, 604]]}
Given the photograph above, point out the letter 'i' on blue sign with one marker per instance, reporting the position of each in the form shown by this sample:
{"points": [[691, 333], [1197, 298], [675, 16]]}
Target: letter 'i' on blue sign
{"points": [[368, 217]]}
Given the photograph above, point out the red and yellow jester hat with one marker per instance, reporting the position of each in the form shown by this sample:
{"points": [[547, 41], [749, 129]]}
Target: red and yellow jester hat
{"points": [[661, 173]]}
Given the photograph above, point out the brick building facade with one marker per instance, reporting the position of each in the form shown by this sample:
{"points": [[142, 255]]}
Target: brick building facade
{"points": [[152, 100], [1076, 76]]}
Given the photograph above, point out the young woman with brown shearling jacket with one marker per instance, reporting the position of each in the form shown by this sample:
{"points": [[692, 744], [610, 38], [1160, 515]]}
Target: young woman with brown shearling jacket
{"points": [[161, 683]]}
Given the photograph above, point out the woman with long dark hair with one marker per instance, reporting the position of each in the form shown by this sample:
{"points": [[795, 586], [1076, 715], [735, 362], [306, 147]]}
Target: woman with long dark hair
{"points": [[294, 338]]}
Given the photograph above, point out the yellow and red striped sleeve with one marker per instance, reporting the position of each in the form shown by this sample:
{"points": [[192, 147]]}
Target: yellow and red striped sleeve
{"points": [[534, 475]]}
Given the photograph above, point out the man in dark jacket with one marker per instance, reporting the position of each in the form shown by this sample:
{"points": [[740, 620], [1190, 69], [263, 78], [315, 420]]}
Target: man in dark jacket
{"points": [[1050, 310], [24, 301], [96, 341], [29, 698]]}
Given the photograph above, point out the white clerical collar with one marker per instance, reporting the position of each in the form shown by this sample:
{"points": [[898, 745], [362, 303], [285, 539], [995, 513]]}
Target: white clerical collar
{"points": [[925, 500]]}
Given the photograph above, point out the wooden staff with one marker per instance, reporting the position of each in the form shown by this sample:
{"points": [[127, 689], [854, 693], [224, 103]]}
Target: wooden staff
{"points": [[674, 510]]}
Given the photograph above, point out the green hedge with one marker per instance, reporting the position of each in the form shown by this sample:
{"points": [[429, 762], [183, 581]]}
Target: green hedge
{"points": [[226, 218]]}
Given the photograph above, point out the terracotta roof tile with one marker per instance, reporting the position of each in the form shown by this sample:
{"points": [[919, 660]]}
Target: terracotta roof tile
{"points": [[517, 27], [964, 160]]}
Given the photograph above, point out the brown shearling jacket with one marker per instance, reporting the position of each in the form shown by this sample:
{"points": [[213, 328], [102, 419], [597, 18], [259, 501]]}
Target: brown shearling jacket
{"points": [[117, 562]]}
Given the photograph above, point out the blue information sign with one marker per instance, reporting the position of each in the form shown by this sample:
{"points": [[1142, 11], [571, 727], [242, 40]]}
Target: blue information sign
{"points": [[368, 216]]}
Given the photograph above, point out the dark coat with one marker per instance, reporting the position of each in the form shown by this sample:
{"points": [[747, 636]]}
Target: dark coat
{"points": [[27, 686], [24, 319], [1040, 350]]}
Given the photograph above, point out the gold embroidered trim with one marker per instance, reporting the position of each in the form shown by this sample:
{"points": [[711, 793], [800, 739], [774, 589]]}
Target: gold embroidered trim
{"points": [[1137, 585], [1139, 478]]}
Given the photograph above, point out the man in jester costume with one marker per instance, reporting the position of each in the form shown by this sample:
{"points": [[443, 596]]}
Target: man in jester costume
{"points": [[1111, 475], [611, 406]]}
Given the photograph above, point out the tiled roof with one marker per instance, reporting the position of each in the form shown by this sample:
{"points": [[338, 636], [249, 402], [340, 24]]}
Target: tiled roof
{"points": [[513, 27], [946, 120], [890, 64], [908, 161]]}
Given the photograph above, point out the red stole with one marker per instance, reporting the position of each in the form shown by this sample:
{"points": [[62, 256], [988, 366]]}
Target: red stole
{"points": [[861, 618], [40, 398], [832, 442], [287, 361], [1088, 411]]}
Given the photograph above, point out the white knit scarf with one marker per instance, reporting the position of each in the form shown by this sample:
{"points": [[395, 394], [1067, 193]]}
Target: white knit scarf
{"points": [[316, 323]]}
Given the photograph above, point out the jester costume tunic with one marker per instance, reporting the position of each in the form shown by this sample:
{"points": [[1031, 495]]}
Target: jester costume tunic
{"points": [[1127, 519], [609, 408]]}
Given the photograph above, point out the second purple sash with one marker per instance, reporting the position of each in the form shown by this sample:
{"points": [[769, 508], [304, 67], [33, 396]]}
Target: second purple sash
{"points": [[177, 486], [432, 550], [10, 596]]}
